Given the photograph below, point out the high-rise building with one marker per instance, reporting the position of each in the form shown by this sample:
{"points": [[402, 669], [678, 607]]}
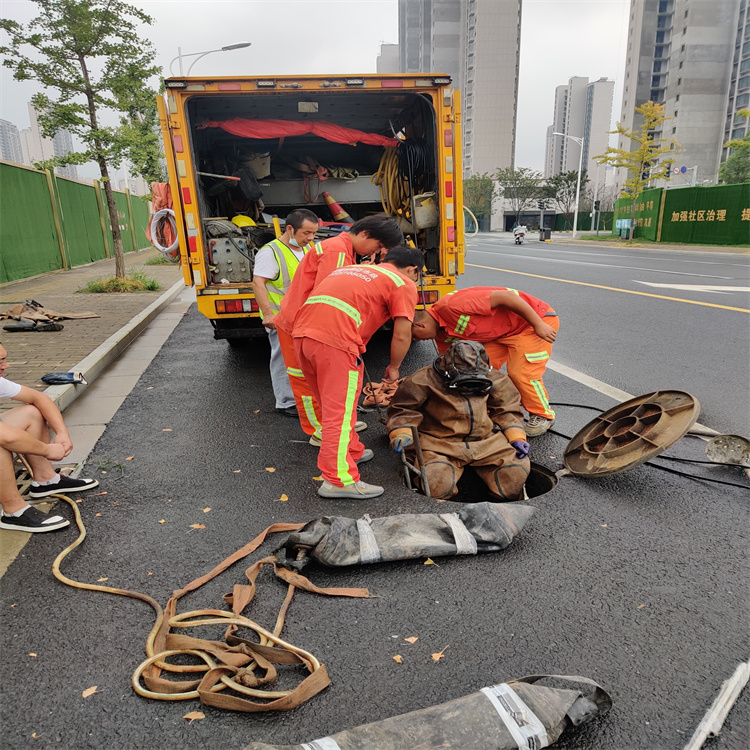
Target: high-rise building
{"points": [[38, 148], [477, 43], [10, 143], [388, 59], [582, 110], [680, 54], [737, 126]]}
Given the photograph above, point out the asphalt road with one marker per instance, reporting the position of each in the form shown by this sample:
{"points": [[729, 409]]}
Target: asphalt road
{"points": [[637, 580]]}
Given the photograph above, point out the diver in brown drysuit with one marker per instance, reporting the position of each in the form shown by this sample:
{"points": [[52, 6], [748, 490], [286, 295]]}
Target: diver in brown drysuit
{"points": [[467, 414]]}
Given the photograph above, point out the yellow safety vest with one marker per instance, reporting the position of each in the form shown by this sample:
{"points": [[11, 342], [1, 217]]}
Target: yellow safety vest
{"points": [[287, 262]]}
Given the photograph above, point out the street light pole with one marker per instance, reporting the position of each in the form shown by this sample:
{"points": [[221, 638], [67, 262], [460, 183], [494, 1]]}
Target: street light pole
{"points": [[239, 45], [579, 141]]}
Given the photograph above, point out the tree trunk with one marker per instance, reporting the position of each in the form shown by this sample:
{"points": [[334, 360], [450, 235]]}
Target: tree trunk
{"points": [[114, 221], [632, 219]]}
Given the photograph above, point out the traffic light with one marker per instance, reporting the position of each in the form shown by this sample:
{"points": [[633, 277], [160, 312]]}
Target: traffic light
{"points": [[596, 205], [542, 205]]}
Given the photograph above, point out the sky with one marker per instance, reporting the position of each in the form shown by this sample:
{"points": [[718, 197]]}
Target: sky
{"points": [[559, 39]]}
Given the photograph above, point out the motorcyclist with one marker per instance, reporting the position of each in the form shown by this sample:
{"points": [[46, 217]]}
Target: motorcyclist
{"points": [[519, 232], [466, 414]]}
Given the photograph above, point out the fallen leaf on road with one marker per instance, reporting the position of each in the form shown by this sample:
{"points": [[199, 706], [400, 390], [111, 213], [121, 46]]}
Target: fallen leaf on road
{"points": [[130, 458], [150, 388], [89, 691], [149, 572], [99, 494], [32, 654], [163, 520], [169, 500], [79, 501], [284, 498], [413, 639], [104, 472], [439, 655], [398, 659], [256, 411], [33, 735], [167, 429], [194, 716], [98, 515], [197, 525], [99, 580], [604, 525], [270, 469], [206, 510], [13, 605], [114, 503], [317, 479], [430, 561], [641, 606], [236, 471]]}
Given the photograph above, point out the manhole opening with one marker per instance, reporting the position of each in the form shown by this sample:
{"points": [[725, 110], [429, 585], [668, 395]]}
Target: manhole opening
{"points": [[471, 489]]}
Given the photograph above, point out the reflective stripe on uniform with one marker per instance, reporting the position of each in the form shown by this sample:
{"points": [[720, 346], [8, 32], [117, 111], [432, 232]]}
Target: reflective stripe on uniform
{"points": [[536, 356], [344, 307], [342, 452], [461, 324], [307, 403], [539, 389], [394, 277], [287, 262], [294, 372], [318, 248], [515, 291], [341, 260]]}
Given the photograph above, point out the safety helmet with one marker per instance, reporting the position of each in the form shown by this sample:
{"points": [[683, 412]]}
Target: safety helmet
{"points": [[465, 367], [243, 221]]}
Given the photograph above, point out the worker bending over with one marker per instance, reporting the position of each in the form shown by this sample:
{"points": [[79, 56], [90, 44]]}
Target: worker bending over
{"points": [[514, 327], [330, 334], [466, 414], [371, 236], [275, 266]]}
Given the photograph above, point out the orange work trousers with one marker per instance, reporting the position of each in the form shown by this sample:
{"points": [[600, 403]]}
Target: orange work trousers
{"points": [[307, 406], [335, 378]]}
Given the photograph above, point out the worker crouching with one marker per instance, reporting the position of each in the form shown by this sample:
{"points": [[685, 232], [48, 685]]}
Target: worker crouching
{"points": [[466, 414]]}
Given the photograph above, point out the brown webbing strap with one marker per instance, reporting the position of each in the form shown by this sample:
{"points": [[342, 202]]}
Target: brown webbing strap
{"points": [[237, 658]]}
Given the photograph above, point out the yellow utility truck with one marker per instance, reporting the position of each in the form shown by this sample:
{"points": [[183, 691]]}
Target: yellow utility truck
{"points": [[242, 153]]}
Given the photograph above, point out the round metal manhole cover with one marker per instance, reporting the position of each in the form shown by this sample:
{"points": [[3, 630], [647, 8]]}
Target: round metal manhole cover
{"points": [[729, 449], [631, 433]]}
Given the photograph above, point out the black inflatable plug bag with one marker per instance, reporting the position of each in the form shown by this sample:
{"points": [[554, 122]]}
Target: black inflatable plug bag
{"points": [[336, 541], [515, 715]]}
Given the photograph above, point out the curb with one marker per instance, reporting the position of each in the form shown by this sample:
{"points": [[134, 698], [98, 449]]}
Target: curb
{"points": [[94, 364]]}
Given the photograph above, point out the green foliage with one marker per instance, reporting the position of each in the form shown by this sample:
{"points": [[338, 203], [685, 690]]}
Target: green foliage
{"points": [[135, 281], [91, 58], [519, 187], [160, 260], [645, 163], [736, 168], [479, 192], [562, 189]]}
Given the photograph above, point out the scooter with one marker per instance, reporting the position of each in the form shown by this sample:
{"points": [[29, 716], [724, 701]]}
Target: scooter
{"points": [[519, 238]]}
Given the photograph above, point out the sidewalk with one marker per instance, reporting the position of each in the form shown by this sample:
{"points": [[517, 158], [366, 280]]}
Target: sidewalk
{"points": [[606, 241], [32, 355]]}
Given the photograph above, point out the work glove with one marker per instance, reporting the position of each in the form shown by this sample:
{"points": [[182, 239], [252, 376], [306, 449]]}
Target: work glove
{"points": [[522, 448], [400, 439]]}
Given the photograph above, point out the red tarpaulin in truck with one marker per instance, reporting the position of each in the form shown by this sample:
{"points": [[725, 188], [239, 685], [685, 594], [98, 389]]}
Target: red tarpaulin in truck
{"points": [[283, 128]]}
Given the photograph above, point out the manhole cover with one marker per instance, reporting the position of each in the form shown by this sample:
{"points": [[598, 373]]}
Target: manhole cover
{"points": [[631, 433]]}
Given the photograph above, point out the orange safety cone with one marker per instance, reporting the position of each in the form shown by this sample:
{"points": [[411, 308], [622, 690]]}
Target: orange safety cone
{"points": [[337, 212]]}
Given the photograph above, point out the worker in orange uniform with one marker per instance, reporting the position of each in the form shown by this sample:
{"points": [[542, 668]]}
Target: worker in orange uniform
{"points": [[330, 334], [371, 236], [514, 327]]}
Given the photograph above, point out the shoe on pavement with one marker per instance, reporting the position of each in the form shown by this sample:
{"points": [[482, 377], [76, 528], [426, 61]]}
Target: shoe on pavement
{"points": [[356, 491], [288, 411], [538, 425], [66, 484], [33, 520], [317, 442], [368, 455]]}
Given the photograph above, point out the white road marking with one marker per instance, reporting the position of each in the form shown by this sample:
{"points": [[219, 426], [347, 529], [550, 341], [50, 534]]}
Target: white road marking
{"points": [[698, 287], [604, 265]]}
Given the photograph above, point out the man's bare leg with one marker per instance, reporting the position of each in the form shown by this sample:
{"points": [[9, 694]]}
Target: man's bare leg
{"points": [[29, 419]]}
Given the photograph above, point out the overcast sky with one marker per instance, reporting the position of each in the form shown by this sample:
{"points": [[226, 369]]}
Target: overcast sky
{"points": [[559, 39]]}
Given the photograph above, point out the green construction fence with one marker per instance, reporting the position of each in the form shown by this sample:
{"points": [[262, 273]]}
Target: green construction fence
{"points": [[712, 215], [49, 223]]}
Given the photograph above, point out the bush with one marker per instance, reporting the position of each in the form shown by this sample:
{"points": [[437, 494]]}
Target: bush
{"points": [[159, 260], [135, 281]]}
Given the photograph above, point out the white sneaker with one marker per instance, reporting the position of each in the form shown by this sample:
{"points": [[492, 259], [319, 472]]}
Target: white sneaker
{"points": [[368, 455], [316, 442], [357, 491]]}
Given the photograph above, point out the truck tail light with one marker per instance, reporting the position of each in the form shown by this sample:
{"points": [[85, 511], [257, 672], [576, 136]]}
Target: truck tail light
{"points": [[428, 298], [236, 306]]}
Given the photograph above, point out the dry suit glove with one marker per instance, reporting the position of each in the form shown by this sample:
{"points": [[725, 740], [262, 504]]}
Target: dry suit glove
{"points": [[400, 439], [522, 448]]}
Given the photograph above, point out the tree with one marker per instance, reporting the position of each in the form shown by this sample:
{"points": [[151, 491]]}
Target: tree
{"points": [[519, 187], [479, 192], [562, 189], [645, 163], [92, 55], [736, 168]]}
